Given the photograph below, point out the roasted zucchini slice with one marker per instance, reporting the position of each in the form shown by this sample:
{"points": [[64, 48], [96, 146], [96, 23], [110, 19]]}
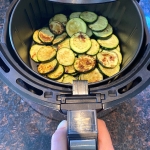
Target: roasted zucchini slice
{"points": [[107, 59], [75, 25], [64, 44], [75, 15], [47, 67], [70, 69], [36, 37], [88, 16], [94, 48], [80, 42], [60, 79], [65, 57], [46, 53], [92, 76], [45, 35], [84, 63], [59, 38], [69, 79], [57, 73], [119, 55], [110, 43], [33, 52], [61, 18], [108, 71], [56, 27], [100, 24]]}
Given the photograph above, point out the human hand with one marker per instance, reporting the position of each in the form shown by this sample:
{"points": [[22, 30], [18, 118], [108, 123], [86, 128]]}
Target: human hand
{"points": [[59, 138]]}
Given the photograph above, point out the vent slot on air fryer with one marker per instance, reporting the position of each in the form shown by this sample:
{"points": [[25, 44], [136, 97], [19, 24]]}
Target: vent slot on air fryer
{"points": [[4, 66]]}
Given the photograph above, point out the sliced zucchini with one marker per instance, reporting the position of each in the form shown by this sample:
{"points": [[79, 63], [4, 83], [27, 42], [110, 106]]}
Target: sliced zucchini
{"points": [[65, 57], [57, 73], [60, 79], [75, 25], [118, 48], [93, 76], [45, 35], [108, 71], [88, 16], [80, 42], [75, 15], [33, 52], [59, 38], [94, 48], [61, 18], [84, 63], [100, 24], [89, 32], [47, 67], [36, 37], [110, 43], [68, 79], [107, 59], [64, 44], [70, 69], [119, 55], [105, 33]]}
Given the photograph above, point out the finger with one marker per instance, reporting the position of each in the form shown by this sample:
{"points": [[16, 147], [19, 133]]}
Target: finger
{"points": [[59, 138], [104, 139]]}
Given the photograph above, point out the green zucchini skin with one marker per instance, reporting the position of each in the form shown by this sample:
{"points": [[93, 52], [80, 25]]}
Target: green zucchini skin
{"points": [[36, 37]]}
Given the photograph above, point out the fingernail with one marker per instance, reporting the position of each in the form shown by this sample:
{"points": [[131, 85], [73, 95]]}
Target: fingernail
{"points": [[62, 124]]}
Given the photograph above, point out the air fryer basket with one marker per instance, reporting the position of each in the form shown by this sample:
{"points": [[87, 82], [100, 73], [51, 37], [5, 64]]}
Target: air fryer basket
{"points": [[24, 17]]}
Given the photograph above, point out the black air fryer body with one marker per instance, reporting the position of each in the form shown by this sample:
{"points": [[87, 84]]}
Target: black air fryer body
{"points": [[24, 17]]}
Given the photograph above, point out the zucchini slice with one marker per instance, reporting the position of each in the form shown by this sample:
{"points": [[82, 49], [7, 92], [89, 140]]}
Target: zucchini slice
{"points": [[118, 48], [33, 52], [75, 15], [107, 59], [108, 71], [60, 79], [110, 43], [84, 63], [70, 69], [45, 35], [75, 25], [65, 43], [57, 73], [100, 24], [93, 76], [65, 57], [89, 32], [61, 18], [59, 38], [68, 79], [105, 33], [47, 67], [88, 16], [94, 48], [46, 53], [119, 55], [36, 37], [56, 27], [80, 42]]}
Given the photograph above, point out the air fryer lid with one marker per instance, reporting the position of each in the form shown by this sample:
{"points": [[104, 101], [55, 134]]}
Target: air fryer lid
{"points": [[30, 15]]}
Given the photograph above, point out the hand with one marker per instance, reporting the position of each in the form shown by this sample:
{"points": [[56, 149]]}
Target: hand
{"points": [[59, 138]]}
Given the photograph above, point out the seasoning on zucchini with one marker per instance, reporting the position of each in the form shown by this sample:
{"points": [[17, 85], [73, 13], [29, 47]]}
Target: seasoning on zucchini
{"points": [[92, 76], [88, 16], [70, 69], [110, 43], [94, 48], [47, 67], [74, 15], [100, 24], [84, 63], [45, 35], [61, 18], [46, 53], [59, 38], [57, 73], [80, 42], [65, 43], [107, 59], [36, 37], [75, 25], [68, 79], [65, 57]]}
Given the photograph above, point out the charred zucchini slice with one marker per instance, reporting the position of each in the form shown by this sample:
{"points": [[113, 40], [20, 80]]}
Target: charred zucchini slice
{"points": [[94, 48], [57, 73], [46, 53], [110, 43], [36, 37], [45, 35], [68, 79], [64, 44], [61, 18], [65, 57], [84, 63], [75, 25], [75, 15], [88, 16], [47, 67], [70, 69], [107, 59], [80, 42], [56, 27], [105, 33], [33, 52], [108, 71], [59, 38], [100, 24], [93, 76]]}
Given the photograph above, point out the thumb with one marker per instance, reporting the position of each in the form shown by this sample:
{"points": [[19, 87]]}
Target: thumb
{"points": [[59, 138]]}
